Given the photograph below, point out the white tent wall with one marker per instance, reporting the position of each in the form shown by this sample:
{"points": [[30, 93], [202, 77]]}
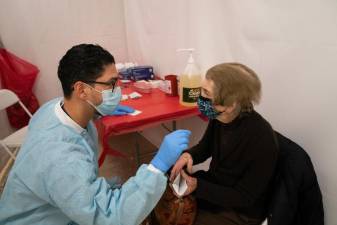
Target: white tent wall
{"points": [[41, 31], [292, 45]]}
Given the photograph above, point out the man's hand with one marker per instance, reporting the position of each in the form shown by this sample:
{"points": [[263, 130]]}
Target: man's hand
{"points": [[170, 149], [192, 183], [122, 110], [184, 159]]}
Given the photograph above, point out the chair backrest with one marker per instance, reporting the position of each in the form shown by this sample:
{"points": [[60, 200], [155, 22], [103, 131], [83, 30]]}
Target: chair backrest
{"points": [[8, 98], [296, 195]]}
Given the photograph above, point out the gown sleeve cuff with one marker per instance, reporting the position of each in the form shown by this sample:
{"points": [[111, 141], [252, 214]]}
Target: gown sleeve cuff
{"points": [[153, 169]]}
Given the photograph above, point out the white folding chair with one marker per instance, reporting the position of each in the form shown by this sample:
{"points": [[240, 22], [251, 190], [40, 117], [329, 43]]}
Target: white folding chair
{"points": [[14, 140]]}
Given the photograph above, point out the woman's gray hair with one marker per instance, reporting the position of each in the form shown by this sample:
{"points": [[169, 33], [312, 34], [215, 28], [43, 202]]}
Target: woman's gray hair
{"points": [[235, 82]]}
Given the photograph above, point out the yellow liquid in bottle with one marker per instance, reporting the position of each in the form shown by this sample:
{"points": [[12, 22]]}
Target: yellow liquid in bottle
{"points": [[189, 89]]}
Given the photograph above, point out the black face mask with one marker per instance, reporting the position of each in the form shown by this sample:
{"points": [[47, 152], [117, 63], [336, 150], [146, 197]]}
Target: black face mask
{"points": [[206, 107]]}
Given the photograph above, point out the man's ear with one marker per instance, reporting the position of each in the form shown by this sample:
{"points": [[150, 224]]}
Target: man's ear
{"points": [[80, 90]]}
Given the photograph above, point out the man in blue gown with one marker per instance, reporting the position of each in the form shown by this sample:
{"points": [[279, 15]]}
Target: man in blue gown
{"points": [[55, 177]]}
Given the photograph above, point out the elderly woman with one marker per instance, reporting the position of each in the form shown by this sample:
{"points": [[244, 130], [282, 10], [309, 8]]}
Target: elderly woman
{"points": [[241, 143]]}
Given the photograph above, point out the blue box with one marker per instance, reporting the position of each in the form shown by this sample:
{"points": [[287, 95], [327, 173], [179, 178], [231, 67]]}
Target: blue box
{"points": [[137, 73]]}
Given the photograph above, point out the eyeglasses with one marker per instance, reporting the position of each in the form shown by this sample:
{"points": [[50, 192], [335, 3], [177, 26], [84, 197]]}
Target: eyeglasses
{"points": [[112, 83]]}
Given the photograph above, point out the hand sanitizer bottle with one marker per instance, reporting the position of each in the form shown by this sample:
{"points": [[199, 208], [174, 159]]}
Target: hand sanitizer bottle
{"points": [[189, 81]]}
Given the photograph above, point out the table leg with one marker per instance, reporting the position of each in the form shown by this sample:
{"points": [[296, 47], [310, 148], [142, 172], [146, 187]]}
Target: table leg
{"points": [[101, 158], [174, 125], [137, 150], [137, 153]]}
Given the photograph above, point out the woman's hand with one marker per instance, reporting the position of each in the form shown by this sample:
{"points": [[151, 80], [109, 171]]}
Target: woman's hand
{"points": [[185, 159], [191, 182]]}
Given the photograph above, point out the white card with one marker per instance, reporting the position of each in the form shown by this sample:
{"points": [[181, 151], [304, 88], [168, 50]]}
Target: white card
{"points": [[135, 113], [135, 95], [179, 185]]}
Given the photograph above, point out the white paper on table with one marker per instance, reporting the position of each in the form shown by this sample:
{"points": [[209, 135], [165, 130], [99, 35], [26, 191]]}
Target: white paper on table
{"points": [[156, 83], [135, 95], [179, 185], [135, 113]]}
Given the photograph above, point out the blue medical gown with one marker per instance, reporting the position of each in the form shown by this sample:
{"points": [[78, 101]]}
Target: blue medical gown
{"points": [[55, 180]]}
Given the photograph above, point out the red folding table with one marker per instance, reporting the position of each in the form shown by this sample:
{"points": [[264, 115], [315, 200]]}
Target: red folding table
{"points": [[156, 107]]}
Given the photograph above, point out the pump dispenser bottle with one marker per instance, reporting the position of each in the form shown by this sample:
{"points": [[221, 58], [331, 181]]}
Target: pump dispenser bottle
{"points": [[189, 81]]}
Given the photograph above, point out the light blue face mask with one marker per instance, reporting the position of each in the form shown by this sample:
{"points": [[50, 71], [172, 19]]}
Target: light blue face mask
{"points": [[111, 99]]}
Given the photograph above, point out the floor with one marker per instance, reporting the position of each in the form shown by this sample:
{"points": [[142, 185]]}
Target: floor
{"points": [[126, 167]]}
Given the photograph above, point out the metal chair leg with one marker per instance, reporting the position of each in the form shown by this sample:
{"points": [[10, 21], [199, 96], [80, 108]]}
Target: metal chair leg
{"points": [[8, 150]]}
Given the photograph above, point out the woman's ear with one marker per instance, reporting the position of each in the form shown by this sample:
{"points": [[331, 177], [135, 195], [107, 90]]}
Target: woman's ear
{"points": [[232, 108], [227, 109], [220, 108]]}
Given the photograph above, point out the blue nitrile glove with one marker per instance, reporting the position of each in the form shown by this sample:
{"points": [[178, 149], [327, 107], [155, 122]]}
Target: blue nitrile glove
{"points": [[122, 110], [170, 149]]}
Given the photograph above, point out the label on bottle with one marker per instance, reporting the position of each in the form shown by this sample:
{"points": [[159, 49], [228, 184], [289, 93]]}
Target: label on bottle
{"points": [[191, 95]]}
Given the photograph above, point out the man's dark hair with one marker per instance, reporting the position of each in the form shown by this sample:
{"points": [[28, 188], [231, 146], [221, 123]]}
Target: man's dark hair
{"points": [[82, 63]]}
